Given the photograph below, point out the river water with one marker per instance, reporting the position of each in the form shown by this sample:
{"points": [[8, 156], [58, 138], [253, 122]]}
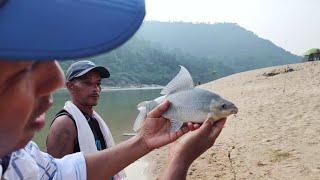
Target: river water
{"points": [[118, 108]]}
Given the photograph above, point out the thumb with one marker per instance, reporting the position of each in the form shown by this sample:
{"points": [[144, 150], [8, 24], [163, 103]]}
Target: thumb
{"points": [[159, 110], [207, 124], [217, 128]]}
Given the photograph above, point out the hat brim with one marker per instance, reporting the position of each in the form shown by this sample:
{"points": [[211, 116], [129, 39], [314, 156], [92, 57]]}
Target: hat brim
{"points": [[60, 30], [104, 73]]}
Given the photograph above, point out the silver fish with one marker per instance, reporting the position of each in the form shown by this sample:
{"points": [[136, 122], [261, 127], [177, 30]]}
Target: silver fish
{"points": [[188, 103]]}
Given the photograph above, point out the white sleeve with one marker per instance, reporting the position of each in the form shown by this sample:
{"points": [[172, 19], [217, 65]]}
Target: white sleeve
{"points": [[71, 167]]}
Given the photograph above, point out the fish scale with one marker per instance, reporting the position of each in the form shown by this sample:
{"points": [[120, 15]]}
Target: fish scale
{"points": [[189, 105]]}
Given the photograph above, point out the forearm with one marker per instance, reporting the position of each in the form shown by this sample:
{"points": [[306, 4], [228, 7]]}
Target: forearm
{"points": [[108, 162], [176, 169]]}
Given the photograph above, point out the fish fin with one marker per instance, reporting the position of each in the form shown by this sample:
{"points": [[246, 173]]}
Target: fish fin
{"points": [[181, 81], [140, 118], [150, 105], [175, 125], [160, 99], [142, 104], [144, 108], [210, 115]]}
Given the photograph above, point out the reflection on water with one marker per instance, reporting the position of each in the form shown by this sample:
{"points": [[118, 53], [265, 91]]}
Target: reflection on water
{"points": [[118, 108]]}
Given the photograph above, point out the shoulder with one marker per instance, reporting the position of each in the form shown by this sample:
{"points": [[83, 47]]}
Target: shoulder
{"points": [[63, 121], [63, 126], [62, 137], [62, 113]]}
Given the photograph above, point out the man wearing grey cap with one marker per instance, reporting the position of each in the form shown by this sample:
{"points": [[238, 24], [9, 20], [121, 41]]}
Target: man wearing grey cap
{"points": [[77, 127]]}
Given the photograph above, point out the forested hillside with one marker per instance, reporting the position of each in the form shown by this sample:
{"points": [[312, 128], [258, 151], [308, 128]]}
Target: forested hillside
{"points": [[227, 42], [141, 62], [209, 51]]}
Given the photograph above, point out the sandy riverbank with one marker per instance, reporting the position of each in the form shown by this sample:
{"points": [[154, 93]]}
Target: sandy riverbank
{"points": [[276, 134]]}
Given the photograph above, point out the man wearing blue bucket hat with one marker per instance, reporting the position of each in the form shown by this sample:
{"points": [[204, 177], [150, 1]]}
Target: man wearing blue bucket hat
{"points": [[35, 32]]}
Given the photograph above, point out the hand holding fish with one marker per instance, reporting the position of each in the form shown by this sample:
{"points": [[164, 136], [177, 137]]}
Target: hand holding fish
{"points": [[203, 139], [190, 147], [155, 129]]}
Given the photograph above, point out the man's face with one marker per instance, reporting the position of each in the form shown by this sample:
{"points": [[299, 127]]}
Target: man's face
{"points": [[25, 95], [86, 89]]}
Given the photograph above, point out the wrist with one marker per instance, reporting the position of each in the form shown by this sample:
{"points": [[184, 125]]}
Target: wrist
{"points": [[180, 163], [176, 169], [142, 144], [182, 157]]}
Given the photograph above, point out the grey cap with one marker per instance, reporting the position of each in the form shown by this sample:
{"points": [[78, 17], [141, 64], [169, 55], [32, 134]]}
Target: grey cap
{"points": [[80, 68]]}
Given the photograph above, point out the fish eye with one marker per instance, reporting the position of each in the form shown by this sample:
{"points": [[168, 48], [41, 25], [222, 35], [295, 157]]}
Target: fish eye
{"points": [[224, 106]]}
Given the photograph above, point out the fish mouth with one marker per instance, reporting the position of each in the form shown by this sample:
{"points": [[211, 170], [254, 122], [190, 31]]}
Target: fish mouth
{"points": [[234, 111]]}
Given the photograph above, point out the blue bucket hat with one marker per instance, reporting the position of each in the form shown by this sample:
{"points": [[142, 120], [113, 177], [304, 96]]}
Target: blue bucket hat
{"points": [[65, 29]]}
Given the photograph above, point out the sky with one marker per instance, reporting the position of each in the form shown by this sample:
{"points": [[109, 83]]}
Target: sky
{"points": [[291, 24]]}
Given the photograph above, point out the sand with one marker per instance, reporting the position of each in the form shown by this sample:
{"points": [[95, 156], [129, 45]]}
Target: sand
{"points": [[275, 135]]}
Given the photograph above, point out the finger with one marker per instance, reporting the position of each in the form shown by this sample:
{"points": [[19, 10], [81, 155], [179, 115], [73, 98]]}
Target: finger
{"points": [[220, 123], [159, 110], [209, 121], [207, 124], [190, 126], [159, 120], [184, 127], [217, 128], [193, 126], [196, 126], [185, 130]]}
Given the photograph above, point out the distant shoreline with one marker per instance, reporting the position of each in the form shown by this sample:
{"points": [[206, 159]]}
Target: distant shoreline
{"points": [[106, 89]]}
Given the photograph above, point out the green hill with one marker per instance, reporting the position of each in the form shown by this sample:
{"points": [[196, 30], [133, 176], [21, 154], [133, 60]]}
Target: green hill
{"points": [[141, 62], [227, 42], [209, 51]]}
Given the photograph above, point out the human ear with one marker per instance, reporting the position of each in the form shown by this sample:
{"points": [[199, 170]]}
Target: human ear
{"points": [[70, 85]]}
